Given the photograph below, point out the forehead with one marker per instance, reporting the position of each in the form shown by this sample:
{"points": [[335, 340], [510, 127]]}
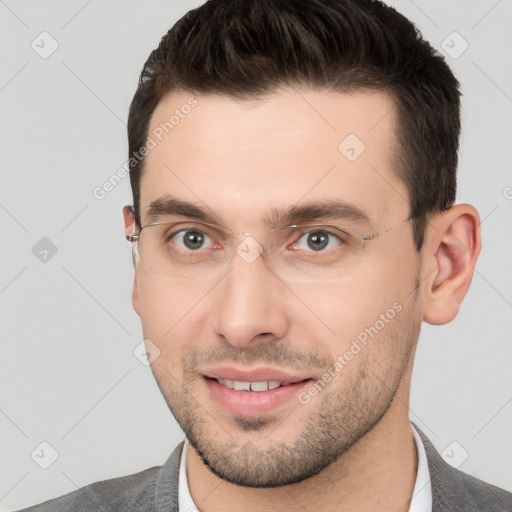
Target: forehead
{"points": [[241, 158]]}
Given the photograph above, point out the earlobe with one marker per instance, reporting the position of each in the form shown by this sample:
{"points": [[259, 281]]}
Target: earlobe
{"points": [[454, 247]]}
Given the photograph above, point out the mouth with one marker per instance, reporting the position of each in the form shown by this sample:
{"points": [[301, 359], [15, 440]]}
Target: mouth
{"points": [[258, 387], [253, 393]]}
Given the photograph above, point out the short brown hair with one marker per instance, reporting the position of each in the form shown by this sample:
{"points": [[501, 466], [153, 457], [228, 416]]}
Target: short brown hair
{"points": [[248, 48]]}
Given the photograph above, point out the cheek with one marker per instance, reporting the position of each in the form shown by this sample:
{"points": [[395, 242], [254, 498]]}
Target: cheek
{"points": [[360, 304], [390, 274], [168, 312]]}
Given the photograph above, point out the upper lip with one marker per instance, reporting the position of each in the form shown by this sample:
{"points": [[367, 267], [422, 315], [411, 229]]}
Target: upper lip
{"points": [[253, 375]]}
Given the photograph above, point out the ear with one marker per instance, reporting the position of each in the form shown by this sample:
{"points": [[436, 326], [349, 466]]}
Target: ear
{"points": [[129, 221], [453, 246], [130, 228]]}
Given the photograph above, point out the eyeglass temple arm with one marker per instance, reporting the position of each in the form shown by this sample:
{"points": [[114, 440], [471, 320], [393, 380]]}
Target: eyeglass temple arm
{"points": [[379, 233]]}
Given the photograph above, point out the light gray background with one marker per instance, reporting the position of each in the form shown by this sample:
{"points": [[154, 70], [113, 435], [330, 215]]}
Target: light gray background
{"points": [[68, 373]]}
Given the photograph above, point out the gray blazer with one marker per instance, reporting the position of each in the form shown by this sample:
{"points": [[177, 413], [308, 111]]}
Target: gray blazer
{"points": [[156, 490]]}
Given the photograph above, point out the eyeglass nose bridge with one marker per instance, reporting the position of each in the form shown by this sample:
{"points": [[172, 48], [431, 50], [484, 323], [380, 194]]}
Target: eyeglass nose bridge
{"points": [[249, 249]]}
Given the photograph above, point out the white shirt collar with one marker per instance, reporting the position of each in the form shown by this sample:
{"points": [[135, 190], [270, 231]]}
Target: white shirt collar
{"points": [[185, 501], [421, 495], [422, 492]]}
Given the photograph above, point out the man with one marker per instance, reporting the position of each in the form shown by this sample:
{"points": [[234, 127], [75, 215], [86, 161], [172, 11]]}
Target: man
{"points": [[294, 174]]}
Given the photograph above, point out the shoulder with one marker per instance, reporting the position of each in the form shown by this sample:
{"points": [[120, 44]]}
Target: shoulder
{"points": [[454, 491], [477, 494], [138, 491], [114, 494]]}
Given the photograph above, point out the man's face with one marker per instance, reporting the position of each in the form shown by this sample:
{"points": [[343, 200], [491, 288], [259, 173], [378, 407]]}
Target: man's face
{"points": [[239, 161]]}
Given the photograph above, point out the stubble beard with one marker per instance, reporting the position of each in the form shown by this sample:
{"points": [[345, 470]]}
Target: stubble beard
{"points": [[344, 412]]}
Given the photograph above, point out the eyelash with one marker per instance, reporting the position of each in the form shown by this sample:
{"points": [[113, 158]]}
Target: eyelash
{"points": [[302, 233]]}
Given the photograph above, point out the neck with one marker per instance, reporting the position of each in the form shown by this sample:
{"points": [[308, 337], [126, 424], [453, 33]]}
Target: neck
{"points": [[376, 473]]}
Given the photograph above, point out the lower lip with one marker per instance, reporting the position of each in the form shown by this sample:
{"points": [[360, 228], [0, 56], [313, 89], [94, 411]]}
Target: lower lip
{"points": [[252, 403]]}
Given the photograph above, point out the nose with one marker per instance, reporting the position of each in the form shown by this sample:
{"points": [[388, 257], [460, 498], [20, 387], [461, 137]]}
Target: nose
{"points": [[250, 303]]}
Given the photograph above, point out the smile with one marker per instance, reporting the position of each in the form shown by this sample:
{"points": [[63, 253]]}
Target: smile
{"points": [[255, 392], [238, 385]]}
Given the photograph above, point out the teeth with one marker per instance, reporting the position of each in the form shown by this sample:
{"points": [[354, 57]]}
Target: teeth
{"points": [[241, 386], [259, 386], [228, 383], [249, 386]]}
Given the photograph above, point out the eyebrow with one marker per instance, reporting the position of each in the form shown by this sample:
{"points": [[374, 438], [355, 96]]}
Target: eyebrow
{"points": [[328, 210]]}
